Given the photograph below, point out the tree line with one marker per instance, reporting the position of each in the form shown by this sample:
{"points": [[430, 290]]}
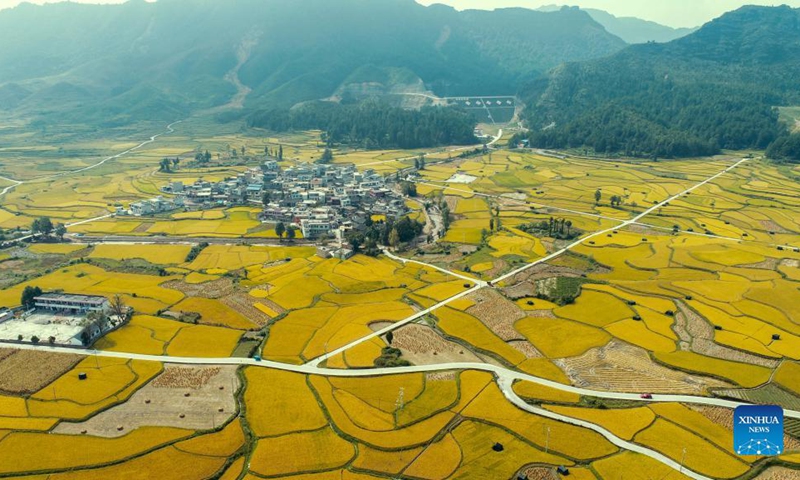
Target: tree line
{"points": [[45, 227], [373, 125]]}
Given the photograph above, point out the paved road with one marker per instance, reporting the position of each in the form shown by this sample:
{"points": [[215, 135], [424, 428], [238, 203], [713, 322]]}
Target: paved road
{"points": [[14, 184], [502, 373], [430, 265]]}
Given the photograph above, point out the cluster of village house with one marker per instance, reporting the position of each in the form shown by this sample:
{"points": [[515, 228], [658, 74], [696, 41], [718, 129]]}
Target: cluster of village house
{"points": [[320, 200]]}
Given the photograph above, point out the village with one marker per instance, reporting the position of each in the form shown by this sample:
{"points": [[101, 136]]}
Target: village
{"points": [[320, 200]]}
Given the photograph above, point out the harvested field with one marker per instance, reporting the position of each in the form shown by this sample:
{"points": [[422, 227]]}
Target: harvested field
{"points": [[525, 347], [778, 473], [697, 336], [244, 304], [769, 394], [226, 292], [421, 345], [625, 368], [546, 270], [213, 289], [497, 312], [28, 371], [162, 402]]}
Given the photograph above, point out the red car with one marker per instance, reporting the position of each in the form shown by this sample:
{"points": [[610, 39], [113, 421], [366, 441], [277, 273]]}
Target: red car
{"points": [[646, 396]]}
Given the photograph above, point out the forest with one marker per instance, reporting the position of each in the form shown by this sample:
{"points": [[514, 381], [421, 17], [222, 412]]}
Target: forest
{"points": [[373, 125], [715, 89]]}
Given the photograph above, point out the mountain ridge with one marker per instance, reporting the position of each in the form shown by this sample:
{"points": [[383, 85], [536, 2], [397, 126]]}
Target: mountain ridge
{"points": [[714, 89], [299, 51], [632, 30]]}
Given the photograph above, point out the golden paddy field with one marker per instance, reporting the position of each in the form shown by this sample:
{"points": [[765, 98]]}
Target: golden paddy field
{"points": [[719, 311]]}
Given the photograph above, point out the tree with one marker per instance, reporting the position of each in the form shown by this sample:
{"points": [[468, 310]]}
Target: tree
{"points": [[28, 294], [597, 196], [569, 226], [389, 337], [207, 156], [355, 239], [175, 162], [421, 162], [243, 150], [291, 233], [491, 224], [409, 189], [280, 229], [165, 165], [46, 226], [394, 238], [265, 198], [51, 340], [61, 230], [34, 340], [327, 156], [280, 153], [118, 307], [371, 247]]}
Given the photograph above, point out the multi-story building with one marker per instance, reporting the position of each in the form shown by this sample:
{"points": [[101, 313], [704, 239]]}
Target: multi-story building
{"points": [[74, 304]]}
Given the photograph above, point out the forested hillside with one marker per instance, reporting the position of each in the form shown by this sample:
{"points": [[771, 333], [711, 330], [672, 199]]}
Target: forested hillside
{"points": [[113, 64], [374, 125], [714, 89]]}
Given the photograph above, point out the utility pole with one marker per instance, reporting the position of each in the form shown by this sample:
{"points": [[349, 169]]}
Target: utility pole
{"points": [[547, 439], [683, 460]]}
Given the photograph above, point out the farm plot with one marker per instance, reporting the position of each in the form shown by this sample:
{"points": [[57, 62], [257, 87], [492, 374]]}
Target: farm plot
{"points": [[402, 426], [712, 293], [195, 398], [28, 371], [752, 202], [109, 382], [159, 336], [162, 254]]}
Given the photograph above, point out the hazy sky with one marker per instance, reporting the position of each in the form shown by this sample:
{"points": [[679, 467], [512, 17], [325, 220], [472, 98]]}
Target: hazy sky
{"points": [[676, 13]]}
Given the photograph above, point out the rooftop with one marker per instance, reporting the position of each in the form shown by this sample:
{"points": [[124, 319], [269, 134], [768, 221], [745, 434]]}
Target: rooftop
{"points": [[65, 297]]}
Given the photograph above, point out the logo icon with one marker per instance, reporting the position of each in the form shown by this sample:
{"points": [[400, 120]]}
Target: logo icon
{"points": [[758, 430]]}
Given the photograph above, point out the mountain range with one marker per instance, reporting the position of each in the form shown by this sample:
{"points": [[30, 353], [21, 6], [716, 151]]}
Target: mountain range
{"points": [[716, 88], [115, 64], [630, 29]]}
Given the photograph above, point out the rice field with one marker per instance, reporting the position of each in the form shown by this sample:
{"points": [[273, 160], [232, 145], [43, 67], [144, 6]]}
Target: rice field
{"points": [[662, 308]]}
